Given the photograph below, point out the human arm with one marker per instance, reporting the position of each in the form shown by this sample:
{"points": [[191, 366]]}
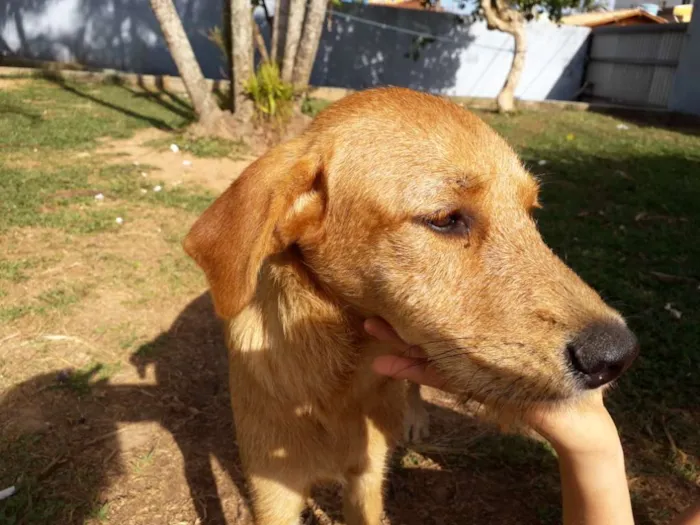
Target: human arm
{"points": [[591, 460]]}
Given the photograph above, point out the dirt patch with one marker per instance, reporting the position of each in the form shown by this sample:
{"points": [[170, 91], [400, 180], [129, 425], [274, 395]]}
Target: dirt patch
{"points": [[7, 84], [174, 168]]}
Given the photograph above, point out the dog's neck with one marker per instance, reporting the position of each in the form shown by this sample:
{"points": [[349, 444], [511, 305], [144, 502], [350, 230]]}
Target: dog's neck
{"points": [[293, 340]]}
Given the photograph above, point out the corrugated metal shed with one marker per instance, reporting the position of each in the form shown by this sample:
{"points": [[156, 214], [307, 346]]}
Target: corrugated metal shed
{"points": [[634, 65]]}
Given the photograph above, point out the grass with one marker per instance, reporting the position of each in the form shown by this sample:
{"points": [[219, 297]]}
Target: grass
{"points": [[210, 147], [56, 300], [62, 115], [313, 106], [144, 461], [64, 197], [272, 97], [100, 512], [14, 271], [11, 313], [620, 206]]}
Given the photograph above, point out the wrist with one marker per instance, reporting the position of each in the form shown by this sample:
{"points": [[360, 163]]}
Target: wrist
{"points": [[589, 434], [608, 451]]}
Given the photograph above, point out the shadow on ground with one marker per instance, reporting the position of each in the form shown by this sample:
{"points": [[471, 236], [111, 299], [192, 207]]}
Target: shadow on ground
{"points": [[75, 449], [681, 122]]}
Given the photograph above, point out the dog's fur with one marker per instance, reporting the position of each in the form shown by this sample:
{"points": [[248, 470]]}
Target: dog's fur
{"points": [[335, 226]]}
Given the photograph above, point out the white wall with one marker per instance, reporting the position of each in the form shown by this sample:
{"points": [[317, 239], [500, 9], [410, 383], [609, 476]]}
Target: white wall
{"points": [[685, 95], [367, 47], [362, 48]]}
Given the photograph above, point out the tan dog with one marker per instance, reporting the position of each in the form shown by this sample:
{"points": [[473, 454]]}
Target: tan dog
{"points": [[403, 205]]}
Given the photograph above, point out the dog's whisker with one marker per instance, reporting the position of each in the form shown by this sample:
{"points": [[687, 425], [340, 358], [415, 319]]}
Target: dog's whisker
{"points": [[472, 338]]}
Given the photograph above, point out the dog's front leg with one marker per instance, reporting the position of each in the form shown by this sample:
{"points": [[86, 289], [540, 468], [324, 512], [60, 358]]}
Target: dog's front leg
{"points": [[363, 494], [277, 502], [416, 420]]}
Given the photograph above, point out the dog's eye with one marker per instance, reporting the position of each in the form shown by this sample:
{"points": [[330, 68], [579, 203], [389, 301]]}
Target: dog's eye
{"points": [[453, 223]]}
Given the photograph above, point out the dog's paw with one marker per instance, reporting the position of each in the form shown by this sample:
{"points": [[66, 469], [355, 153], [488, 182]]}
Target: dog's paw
{"points": [[416, 424]]}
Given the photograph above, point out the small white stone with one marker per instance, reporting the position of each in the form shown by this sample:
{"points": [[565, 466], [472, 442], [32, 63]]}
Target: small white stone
{"points": [[677, 314], [187, 163], [157, 188], [622, 127], [541, 162], [144, 174], [144, 191], [120, 220], [174, 148], [99, 197], [6, 493]]}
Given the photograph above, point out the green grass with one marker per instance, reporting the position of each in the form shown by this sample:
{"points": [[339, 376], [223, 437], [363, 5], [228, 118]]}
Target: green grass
{"points": [[100, 512], [11, 313], [620, 205], [55, 300], [144, 461], [64, 115], [211, 147], [64, 197], [14, 271], [81, 381], [43, 119], [61, 298], [313, 106]]}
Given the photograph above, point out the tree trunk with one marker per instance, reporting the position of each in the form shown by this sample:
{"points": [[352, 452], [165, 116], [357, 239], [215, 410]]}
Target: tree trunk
{"points": [[500, 16], [279, 29], [308, 47], [241, 57], [205, 106], [506, 98], [295, 23]]}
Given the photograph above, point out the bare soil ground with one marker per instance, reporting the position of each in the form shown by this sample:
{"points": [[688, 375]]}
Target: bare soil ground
{"points": [[175, 167]]}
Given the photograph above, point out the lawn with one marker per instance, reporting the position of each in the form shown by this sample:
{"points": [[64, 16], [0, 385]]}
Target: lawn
{"points": [[113, 404]]}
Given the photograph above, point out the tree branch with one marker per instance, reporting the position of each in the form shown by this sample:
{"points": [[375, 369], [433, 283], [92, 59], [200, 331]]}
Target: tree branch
{"points": [[498, 17]]}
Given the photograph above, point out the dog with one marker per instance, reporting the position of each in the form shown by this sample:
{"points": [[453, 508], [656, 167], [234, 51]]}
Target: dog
{"points": [[403, 205]]}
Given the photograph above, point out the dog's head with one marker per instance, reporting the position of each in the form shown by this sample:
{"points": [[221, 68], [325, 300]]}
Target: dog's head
{"points": [[406, 206]]}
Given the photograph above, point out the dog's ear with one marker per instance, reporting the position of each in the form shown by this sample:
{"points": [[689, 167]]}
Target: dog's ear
{"points": [[277, 201]]}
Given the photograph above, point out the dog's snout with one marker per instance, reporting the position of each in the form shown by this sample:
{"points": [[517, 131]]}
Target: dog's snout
{"points": [[602, 352]]}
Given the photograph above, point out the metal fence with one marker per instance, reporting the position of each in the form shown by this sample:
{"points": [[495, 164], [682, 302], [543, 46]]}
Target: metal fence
{"points": [[634, 65]]}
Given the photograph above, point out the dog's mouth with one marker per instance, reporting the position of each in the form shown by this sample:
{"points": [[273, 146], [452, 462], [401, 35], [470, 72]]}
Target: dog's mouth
{"points": [[500, 372]]}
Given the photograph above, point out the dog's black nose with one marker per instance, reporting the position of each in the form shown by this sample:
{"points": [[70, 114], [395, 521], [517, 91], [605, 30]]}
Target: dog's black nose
{"points": [[602, 351]]}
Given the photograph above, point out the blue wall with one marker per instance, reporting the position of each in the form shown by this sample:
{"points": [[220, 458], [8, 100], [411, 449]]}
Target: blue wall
{"points": [[368, 46], [362, 46]]}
